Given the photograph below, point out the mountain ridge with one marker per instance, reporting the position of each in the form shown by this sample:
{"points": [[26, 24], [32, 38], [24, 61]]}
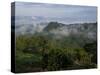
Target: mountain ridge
{"points": [[59, 29]]}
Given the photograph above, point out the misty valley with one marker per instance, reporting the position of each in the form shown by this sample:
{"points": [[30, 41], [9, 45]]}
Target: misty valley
{"points": [[55, 46]]}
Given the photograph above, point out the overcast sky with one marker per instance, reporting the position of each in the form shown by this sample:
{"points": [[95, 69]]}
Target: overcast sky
{"points": [[57, 12]]}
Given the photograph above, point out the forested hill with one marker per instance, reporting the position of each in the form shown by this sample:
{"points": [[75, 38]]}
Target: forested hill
{"points": [[56, 46], [85, 29], [58, 30]]}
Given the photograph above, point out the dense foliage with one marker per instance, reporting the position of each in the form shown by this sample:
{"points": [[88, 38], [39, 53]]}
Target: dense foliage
{"points": [[41, 53]]}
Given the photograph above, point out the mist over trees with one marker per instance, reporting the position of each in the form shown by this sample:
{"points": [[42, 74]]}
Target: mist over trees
{"points": [[45, 52]]}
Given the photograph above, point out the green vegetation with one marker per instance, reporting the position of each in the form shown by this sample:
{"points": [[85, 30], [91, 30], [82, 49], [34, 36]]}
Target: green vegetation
{"points": [[44, 52], [41, 53]]}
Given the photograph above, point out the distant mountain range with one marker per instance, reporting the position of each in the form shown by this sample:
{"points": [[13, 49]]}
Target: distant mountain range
{"points": [[59, 29], [85, 29], [34, 25]]}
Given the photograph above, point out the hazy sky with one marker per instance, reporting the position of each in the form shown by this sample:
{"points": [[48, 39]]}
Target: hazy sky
{"points": [[56, 12]]}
